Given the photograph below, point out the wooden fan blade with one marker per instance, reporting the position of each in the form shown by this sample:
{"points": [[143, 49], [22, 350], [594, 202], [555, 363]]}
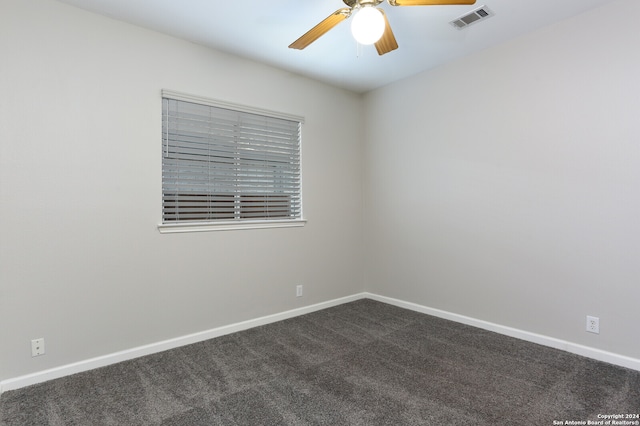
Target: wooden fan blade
{"points": [[314, 33], [428, 2], [387, 42]]}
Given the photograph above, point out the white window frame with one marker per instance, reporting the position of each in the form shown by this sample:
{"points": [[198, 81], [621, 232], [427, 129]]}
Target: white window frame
{"points": [[221, 225]]}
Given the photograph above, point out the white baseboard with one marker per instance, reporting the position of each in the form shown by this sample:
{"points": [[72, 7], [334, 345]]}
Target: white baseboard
{"points": [[102, 361], [586, 351]]}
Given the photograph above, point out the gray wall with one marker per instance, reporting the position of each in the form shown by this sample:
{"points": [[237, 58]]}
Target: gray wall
{"points": [[82, 263], [504, 186]]}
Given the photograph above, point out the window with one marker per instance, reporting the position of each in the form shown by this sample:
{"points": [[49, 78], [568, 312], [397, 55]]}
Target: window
{"points": [[227, 164]]}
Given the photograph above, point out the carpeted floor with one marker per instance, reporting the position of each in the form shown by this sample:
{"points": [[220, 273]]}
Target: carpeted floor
{"points": [[362, 363]]}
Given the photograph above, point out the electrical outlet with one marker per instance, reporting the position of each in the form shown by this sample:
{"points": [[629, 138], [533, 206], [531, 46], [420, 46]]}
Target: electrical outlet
{"points": [[37, 347], [593, 324], [299, 291]]}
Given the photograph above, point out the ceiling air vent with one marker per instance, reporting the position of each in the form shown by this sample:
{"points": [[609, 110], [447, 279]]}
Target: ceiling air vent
{"points": [[477, 15]]}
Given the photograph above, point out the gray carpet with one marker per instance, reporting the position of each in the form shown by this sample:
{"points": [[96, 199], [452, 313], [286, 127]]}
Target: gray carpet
{"points": [[362, 363]]}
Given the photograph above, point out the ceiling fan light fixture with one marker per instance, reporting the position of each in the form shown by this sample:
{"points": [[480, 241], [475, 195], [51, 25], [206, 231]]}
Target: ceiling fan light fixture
{"points": [[367, 25]]}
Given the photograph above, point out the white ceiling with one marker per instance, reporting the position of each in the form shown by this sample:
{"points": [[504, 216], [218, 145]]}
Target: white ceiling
{"points": [[262, 30]]}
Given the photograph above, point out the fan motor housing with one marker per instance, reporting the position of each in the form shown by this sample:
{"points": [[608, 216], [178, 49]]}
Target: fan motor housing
{"points": [[353, 3]]}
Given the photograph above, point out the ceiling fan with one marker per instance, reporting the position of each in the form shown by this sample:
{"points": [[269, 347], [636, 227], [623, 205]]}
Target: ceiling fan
{"points": [[370, 24]]}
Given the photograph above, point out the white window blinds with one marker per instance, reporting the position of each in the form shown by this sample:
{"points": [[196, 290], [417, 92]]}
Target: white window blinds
{"points": [[225, 164]]}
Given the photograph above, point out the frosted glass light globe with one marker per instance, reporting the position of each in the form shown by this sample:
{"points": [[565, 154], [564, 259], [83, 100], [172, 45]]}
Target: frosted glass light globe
{"points": [[367, 25]]}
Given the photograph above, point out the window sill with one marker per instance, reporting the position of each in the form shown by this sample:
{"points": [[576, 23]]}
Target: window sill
{"points": [[173, 228]]}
